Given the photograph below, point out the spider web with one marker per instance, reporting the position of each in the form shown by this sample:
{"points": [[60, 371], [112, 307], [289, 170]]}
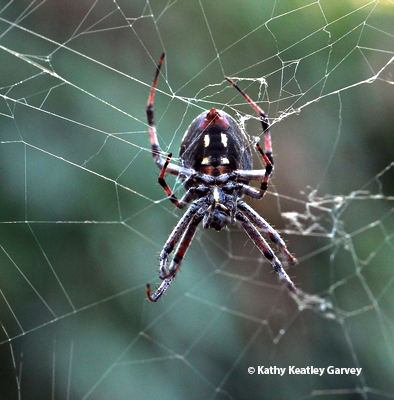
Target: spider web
{"points": [[83, 218]]}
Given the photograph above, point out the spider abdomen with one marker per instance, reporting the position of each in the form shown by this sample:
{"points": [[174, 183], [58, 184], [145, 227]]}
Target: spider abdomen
{"points": [[214, 144]]}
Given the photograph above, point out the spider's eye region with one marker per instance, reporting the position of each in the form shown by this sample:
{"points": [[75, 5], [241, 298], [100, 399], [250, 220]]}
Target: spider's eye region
{"points": [[216, 218]]}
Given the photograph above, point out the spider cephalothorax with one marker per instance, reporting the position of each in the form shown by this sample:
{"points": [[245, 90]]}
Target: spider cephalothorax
{"points": [[215, 168]]}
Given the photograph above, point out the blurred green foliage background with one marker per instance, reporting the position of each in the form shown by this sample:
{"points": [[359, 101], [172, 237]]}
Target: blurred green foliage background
{"points": [[82, 218]]}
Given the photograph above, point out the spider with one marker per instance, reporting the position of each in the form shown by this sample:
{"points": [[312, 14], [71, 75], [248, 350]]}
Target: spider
{"points": [[215, 169]]}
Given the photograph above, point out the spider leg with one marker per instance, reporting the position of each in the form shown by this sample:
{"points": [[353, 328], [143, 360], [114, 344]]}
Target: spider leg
{"points": [[265, 249], [160, 290], [175, 236], [187, 197], [183, 246], [267, 155], [150, 117], [269, 165], [263, 118], [155, 148], [261, 223], [261, 175]]}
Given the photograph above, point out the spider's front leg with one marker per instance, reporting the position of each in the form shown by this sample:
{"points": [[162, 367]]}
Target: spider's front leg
{"points": [[266, 250], [174, 238], [160, 290], [185, 229], [262, 224]]}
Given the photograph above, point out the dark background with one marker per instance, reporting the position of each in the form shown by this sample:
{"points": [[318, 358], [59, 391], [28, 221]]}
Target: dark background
{"points": [[82, 217]]}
